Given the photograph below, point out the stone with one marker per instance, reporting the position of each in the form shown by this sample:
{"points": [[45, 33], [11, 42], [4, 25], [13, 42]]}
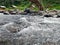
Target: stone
{"points": [[3, 7], [27, 10], [40, 13], [6, 13], [23, 13], [1, 11], [58, 16], [48, 15]]}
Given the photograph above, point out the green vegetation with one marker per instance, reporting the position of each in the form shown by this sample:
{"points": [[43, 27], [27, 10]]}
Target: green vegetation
{"points": [[22, 4], [52, 4]]}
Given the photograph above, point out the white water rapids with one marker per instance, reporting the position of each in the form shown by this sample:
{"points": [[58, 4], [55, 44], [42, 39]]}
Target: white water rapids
{"points": [[29, 30]]}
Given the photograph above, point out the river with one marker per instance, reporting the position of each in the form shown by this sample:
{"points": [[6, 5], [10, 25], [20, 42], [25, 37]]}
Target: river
{"points": [[29, 30]]}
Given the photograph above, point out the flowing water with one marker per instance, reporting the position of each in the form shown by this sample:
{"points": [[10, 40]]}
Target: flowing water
{"points": [[29, 30]]}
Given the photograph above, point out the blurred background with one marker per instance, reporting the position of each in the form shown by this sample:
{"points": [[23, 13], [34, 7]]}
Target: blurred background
{"points": [[22, 4]]}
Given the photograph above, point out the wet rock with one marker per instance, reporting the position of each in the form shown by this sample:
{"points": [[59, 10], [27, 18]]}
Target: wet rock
{"points": [[6, 13], [23, 13], [40, 13], [55, 16], [3, 7], [58, 12], [33, 13], [13, 6], [48, 15], [13, 13], [53, 12], [27, 10], [1, 11], [58, 16]]}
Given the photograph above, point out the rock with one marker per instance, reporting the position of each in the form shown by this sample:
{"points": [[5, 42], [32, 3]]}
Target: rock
{"points": [[3, 7], [1, 11], [34, 13], [12, 12], [13, 6], [58, 16], [23, 13], [55, 16], [48, 15], [6, 13], [58, 12], [40, 13], [27, 10], [52, 12]]}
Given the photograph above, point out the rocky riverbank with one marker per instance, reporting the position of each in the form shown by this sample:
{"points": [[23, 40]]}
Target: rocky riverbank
{"points": [[46, 13], [29, 30]]}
